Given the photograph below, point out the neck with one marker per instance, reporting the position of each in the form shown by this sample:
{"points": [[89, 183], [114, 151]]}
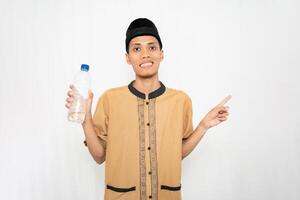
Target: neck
{"points": [[146, 85]]}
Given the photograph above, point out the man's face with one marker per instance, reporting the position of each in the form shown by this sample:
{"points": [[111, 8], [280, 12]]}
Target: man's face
{"points": [[144, 55]]}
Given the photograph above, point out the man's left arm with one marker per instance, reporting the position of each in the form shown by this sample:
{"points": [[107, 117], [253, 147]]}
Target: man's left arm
{"points": [[214, 117]]}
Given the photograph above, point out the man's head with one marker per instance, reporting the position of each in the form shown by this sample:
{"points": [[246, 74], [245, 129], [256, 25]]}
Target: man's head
{"points": [[143, 47], [140, 27]]}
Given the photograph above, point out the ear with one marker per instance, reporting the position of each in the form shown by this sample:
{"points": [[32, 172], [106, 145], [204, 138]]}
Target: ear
{"points": [[127, 59], [162, 55]]}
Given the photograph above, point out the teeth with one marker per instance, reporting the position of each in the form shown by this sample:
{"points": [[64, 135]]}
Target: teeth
{"points": [[146, 64]]}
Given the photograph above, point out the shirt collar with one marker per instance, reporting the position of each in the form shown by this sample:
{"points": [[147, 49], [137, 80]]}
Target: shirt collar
{"points": [[153, 94]]}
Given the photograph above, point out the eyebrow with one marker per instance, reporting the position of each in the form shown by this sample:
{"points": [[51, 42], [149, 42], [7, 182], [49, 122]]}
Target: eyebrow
{"points": [[149, 43]]}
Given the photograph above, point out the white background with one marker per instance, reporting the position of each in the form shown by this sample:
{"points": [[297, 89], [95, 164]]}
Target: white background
{"points": [[249, 49]]}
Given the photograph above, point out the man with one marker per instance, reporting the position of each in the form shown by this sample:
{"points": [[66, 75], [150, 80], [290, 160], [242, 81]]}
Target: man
{"points": [[143, 130]]}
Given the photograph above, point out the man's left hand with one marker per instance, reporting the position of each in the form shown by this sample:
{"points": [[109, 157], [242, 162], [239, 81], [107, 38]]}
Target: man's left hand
{"points": [[217, 115]]}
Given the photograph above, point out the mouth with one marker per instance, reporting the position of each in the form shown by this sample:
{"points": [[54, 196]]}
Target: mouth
{"points": [[146, 65]]}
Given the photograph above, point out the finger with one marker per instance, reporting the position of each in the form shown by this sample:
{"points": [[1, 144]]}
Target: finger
{"points": [[69, 100], [223, 115], [223, 119], [70, 93], [221, 110], [68, 105], [224, 101], [91, 94], [71, 86]]}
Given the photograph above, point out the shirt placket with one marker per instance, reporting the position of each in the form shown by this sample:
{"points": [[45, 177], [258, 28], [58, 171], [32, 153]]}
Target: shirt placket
{"points": [[152, 173], [148, 157], [148, 148]]}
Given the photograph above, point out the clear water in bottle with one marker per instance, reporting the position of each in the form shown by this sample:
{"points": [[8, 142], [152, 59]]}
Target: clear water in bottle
{"points": [[77, 110], [81, 83]]}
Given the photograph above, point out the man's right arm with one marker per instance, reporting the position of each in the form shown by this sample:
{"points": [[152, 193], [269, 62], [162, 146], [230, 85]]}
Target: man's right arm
{"points": [[93, 142]]}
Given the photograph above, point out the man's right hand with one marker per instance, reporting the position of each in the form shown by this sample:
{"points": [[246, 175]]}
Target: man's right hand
{"points": [[88, 107]]}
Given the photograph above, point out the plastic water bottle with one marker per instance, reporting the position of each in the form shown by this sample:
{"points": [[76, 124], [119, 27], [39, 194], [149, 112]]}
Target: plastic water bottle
{"points": [[82, 83]]}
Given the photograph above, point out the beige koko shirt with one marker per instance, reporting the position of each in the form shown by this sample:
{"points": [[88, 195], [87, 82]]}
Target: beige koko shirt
{"points": [[143, 139]]}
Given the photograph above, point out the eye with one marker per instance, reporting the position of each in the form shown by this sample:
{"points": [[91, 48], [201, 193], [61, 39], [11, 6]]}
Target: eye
{"points": [[153, 48], [136, 49]]}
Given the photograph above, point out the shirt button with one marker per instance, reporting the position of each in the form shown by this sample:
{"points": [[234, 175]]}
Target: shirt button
{"points": [[150, 197], [149, 148], [148, 124]]}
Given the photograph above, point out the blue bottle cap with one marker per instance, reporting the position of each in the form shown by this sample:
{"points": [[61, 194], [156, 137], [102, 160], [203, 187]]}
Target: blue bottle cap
{"points": [[85, 67]]}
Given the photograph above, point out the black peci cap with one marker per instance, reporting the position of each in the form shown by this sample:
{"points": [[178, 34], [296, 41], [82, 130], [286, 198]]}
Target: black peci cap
{"points": [[139, 27]]}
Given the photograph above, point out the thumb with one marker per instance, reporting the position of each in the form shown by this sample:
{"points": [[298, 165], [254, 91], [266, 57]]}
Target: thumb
{"points": [[89, 100], [88, 104], [90, 95]]}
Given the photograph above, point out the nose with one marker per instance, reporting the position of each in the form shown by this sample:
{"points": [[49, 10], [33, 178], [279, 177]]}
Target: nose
{"points": [[145, 53]]}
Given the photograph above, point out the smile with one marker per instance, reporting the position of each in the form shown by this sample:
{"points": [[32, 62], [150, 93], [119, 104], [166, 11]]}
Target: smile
{"points": [[145, 65]]}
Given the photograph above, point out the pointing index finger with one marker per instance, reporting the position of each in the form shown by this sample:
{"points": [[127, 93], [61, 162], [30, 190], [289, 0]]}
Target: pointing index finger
{"points": [[224, 101]]}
